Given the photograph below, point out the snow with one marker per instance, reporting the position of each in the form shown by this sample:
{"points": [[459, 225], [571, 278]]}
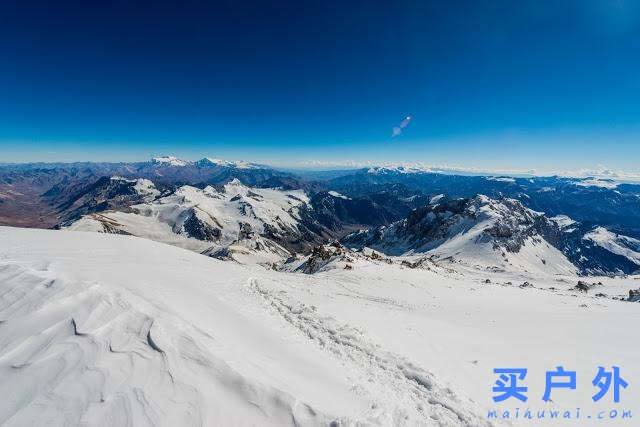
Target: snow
{"points": [[472, 249], [562, 220], [207, 161], [401, 168], [103, 329], [468, 238], [143, 187], [239, 164], [435, 199], [110, 330], [618, 244], [164, 219], [604, 183], [338, 195], [501, 179], [169, 160]]}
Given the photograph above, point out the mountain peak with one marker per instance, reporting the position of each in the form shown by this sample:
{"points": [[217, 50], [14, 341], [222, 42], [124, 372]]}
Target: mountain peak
{"points": [[239, 164], [235, 182], [209, 161], [169, 160]]}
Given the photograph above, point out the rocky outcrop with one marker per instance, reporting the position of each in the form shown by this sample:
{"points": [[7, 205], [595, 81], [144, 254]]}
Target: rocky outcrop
{"points": [[198, 229], [506, 224]]}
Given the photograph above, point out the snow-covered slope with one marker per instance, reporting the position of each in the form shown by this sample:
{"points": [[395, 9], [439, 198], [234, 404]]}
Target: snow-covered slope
{"points": [[505, 234], [494, 233], [246, 224], [625, 246], [103, 330], [113, 330], [110, 330], [143, 187]]}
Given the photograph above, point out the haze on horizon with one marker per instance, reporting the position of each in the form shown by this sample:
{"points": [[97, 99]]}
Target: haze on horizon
{"points": [[488, 85]]}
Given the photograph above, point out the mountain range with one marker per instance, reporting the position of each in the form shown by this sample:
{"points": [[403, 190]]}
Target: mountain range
{"points": [[171, 292], [257, 214]]}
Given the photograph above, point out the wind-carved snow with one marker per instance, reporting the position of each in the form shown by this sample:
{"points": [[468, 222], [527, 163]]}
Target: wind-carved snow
{"points": [[102, 330], [232, 220], [625, 246], [105, 345]]}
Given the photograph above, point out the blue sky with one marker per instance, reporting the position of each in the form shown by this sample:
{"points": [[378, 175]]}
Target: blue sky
{"points": [[489, 84]]}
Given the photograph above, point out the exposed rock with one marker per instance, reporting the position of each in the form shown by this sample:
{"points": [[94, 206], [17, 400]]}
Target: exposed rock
{"points": [[200, 230], [321, 252], [582, 286], [246, 232], [585, 287], [510, 225]]}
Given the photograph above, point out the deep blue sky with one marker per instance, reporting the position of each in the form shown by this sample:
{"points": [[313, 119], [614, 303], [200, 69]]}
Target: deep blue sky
{"points": [[495, 84]]}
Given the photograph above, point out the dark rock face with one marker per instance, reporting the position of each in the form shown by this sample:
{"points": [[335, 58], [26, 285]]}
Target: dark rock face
{"points": [[104, 194], [511, 231], [582, 286], [246, 232], [334, 212], [319, 256], [586, 287], [326, 218], [634, 296], [198, 229], [223, 254]]}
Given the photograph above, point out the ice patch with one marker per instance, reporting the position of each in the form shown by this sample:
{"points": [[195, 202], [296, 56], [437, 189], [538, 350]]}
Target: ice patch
{"points": [[562, 220], [338, 195], [435, 199]]}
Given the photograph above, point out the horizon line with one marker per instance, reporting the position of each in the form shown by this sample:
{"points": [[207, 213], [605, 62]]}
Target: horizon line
{"points": [[600, 172]]}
